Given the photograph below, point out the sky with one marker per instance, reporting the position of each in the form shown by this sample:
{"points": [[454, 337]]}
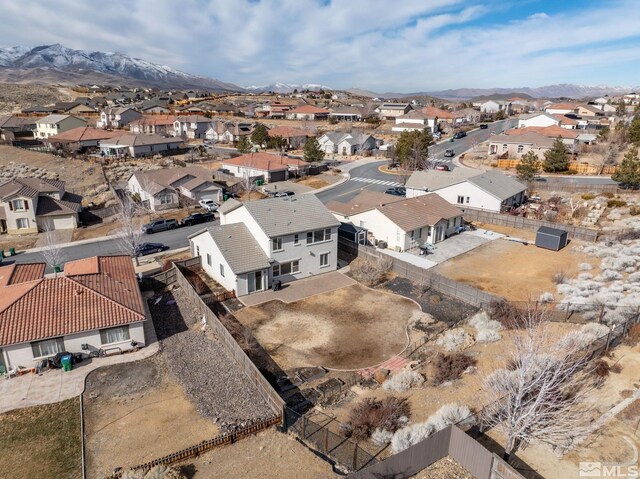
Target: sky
{"points": [[378, 45]]}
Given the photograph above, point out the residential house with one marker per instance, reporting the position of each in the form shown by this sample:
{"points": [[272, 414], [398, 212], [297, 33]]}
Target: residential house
{"points": [[494, 106], [117, 117], [538, 119], [517, 145], [588, 110], [468, 115], [55, 124], [346, 143], [561, 108], [191, 126], [270, 168], [81, 138], [153, 125], [275, 109], [490, 190], [12, 127], [96, 304], [227, 132], [307, 112], [569, 137], [294, 137], [257, 242], [73, 108], [445, 118], [154, 108], [29, 205], [389, 111], [400, 223], [138, 145], [415, 120], [161, 189], [346, 113]]}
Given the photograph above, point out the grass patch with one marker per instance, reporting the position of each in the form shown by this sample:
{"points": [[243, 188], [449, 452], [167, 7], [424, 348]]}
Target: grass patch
{"points": [[42, 441]]}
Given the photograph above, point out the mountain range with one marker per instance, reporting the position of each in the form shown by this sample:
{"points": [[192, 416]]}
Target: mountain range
{"points": [[59, 64], [287, 88]]}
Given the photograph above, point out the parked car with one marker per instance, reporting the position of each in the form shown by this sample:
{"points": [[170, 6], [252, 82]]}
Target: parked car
{"points": [[442, 167], [437, 135], [144, 249], [396, 191], [159, 225], [281, 194], [209, 205], [449, 154], [197, 218], [459, 134], [483, 126]]}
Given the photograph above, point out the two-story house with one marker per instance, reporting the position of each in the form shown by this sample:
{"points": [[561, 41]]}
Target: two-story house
{"points": [[346, 143], [29, 205], [276, 239], [191, 126], [55, 124], [117, 117]]}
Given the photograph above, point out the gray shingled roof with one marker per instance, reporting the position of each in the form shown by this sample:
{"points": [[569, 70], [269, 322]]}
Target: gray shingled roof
{"points": [[498, 184], [288, 215], [238, 247], [228, 206]]}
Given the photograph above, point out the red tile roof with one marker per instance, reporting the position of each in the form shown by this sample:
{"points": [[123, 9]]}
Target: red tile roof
{"points": [[155, 120], [307, 109], [84, 133], [265, 162], [93, 294], [565, 120], [562, 106], [553, 131], [432, 111]]}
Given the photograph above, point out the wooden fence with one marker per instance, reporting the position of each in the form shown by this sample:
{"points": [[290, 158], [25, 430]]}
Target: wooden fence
{"points": [[571, 187], [579, 168], [482, 216], [418, 275]]}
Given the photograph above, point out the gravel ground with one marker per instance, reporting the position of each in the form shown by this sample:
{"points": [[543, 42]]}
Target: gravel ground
{"points": [[208, 374], [445, 468]]}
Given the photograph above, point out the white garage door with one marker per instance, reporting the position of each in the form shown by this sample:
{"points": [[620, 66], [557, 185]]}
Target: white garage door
{"points": [[63, 222]]}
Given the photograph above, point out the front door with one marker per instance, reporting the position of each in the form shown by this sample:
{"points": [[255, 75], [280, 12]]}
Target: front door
{"points": [[256, 281]]}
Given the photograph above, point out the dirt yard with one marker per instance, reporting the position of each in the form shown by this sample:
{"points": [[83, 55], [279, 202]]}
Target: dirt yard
{"points": [[134, 413], [268, 455], [42, 442], [350, 328], [513, 270]]}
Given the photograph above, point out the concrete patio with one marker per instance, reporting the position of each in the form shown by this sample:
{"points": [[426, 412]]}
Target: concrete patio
{"points": [[55, 385], [300, 289]]}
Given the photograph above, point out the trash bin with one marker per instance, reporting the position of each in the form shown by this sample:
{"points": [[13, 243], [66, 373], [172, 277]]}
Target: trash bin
{"points": [[259, 182], [277, 285], [12, 251], [65, 362], [225, 197], [1, 253], [57, 268]]}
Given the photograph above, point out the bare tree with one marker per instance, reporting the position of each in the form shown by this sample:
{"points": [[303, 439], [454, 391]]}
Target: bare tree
{"points": [[52, 252], [130, 234], [542, 394]]}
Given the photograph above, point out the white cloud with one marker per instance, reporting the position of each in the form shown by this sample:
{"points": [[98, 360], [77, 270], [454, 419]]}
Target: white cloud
{"points": [[376, 44]]}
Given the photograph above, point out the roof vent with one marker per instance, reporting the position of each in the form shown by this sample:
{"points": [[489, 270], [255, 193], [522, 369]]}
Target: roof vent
{"points": [[78, 292]]}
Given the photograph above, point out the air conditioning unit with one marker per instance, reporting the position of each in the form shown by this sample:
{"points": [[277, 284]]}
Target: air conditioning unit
{"points": [[381, 244]]}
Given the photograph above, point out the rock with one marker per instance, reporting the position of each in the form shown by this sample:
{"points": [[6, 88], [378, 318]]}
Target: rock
{"points": [[381, 375]]}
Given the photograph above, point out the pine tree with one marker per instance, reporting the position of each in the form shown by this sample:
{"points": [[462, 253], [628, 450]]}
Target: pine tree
{"points": [[556, 159], [529, 167], [244, 145], [634, 131], [312, 151], [259, 135], [628, 171], [412, 149]]}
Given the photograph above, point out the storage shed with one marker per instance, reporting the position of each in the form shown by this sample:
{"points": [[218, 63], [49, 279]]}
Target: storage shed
{"points": [[551, 238]]}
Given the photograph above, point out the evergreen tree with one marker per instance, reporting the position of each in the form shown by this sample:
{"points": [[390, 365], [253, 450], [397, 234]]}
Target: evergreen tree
{"points": [[243, 145], [556, 159], [634, 131], [275, 142], [628, 171], [259, 135], [529, 167], [312, 151], [412, 149]]}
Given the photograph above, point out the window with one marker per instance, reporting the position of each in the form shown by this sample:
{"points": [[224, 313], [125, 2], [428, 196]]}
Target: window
{"points": [[318, 236], [504, 147], [276, 244], [468, 198], [208, 259], [460, 200], [48, 347], [296, 239], [221, 270], [420, 233], [286, 268], [197, 250], [114, 335], [22, 223], [324, 259], [520, 148], [166, 199], [19, 205]]}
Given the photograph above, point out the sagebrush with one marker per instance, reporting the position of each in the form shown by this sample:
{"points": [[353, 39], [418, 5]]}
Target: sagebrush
{"points": [[403, 381], [390, 414], [449, 367], [371, 272]]}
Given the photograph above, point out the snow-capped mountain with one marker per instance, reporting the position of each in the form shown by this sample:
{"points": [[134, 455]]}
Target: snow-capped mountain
{"points": [[286, 87], [53, 62]]}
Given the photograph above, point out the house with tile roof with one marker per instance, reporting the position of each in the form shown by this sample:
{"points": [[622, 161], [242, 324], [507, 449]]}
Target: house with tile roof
{"points": [[96, 304], [415, 120], [307, 112], [81, 138], [12, 126], [138, 145], [568, 136], [29, 205], [561, 108], [517, 145], [466, 188], [540, 119], [275, 239], [293, 137], [347, 113], [401, 223], [389, 111], [266, 166], [161, 189], [55, 124], [191, 126], [153, 125]]}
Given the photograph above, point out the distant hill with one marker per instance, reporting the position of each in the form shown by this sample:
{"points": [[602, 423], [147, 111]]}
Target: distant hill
{"points": [[59, 64]]}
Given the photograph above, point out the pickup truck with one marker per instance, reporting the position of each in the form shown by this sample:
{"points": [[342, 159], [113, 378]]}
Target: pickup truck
{"points": [[159, 225], [197, 218]]}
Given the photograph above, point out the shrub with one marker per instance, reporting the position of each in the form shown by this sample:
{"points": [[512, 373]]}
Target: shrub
{"points": [[371, 272], [448, 367], [634, 210], [487, 329], [607, 194], [403, 381], [546, 298], [587, 196], [601, 368], [506, 313], [381, 437], [559, 277], [455, 339], [616, 203], [585, 267], [633, 337], [389, 414], [450, 414]]}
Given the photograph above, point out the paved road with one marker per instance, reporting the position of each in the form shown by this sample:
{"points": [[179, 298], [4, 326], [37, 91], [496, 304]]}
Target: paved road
{"points": [[174, 239]]}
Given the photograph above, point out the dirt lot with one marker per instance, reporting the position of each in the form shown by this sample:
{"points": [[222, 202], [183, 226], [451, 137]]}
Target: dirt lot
{"points": [[42, 442], [513, 270], [268, 455], [127, 402], [350, 328]]}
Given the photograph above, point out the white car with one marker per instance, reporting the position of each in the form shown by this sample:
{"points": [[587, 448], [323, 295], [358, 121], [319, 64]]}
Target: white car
{"points": [[209, 205]]}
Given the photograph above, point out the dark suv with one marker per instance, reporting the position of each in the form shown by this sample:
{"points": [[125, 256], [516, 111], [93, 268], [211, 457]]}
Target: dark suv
{"points": [[160, 225], [460, 134]]}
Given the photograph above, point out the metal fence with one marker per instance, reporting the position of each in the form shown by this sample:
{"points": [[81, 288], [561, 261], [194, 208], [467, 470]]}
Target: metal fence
{"points": [[348, 250], [482, 216]]}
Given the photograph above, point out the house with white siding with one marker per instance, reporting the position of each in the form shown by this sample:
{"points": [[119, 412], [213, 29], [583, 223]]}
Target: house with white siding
{"points": [[191, 126], [276, 239], [117, 117], [346, 143], [55, 124], [138, 145], [415, 120]]}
